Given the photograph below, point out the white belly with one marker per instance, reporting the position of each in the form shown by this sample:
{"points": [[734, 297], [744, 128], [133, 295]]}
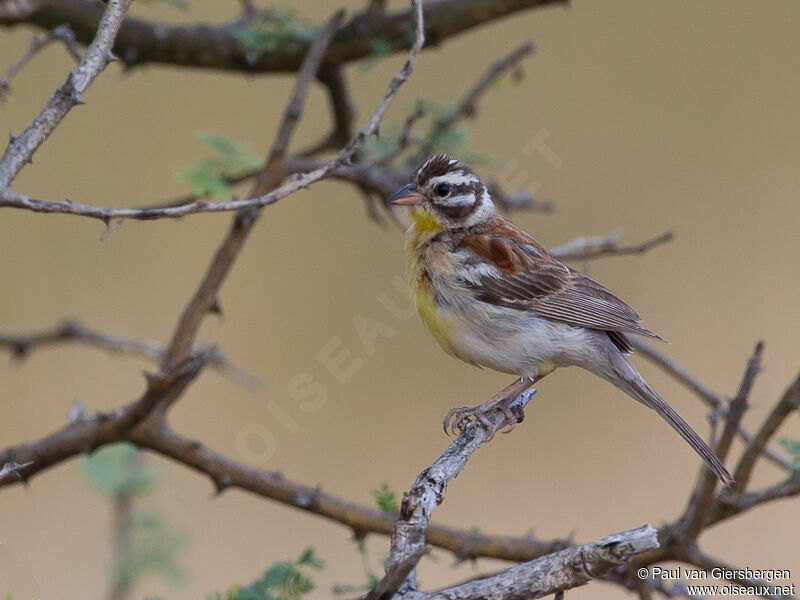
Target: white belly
{"points": [[514, 341]]}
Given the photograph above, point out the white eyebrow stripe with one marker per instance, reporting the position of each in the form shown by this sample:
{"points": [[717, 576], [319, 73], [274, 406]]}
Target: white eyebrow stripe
{"points": [[454, 179], [460, 200]]}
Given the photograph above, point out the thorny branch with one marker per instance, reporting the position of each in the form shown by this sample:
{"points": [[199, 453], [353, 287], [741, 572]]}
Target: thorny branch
{"points": [[40, 41], [717, 404], [416, 511], [546, 567], [378, 179], [605, 245], [21, 345], [467, 107], [704, 490], [220, 47], [273, 173], [21, 148]]}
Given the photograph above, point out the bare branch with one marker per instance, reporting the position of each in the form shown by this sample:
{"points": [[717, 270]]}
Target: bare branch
{"points": [[226, 473], [519, 201], [698, 558], [555, 572], [205, 297], [788, 404], [408, 532], [388, 586], [588, 248], [75, 332], [40, 41], [300, 182], [219, 46], [21, 149], [87, 435], [343, 109], [717, 404], [700, 501], [729, 505], [467, 107]]}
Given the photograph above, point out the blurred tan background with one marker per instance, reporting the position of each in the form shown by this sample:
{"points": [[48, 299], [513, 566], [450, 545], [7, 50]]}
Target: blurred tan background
{"points": [[679, 115]]}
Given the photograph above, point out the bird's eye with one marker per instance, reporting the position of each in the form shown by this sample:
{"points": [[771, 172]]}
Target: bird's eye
{"points": [[442, 190]]}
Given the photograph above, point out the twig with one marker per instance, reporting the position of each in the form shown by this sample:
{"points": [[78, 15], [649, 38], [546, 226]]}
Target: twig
{"points": [[555, 572], [300, 182], [408, 532], [388, 586], [40, 41], [728, 505], [519, 201], [700, 501], [343, 109], [699, 559], [716, 403], [21, 148], [226, 473], [788, 404], [73, 331], [468, 105], [588, 248], [87, 435], [217, 46], [205, 297]]}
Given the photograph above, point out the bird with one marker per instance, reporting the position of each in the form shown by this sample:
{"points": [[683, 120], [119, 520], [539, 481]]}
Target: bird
{"points": [[494, 297]]}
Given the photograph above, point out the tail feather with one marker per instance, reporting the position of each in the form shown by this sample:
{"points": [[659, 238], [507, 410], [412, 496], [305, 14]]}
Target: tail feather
{"points": [[633, 384]]}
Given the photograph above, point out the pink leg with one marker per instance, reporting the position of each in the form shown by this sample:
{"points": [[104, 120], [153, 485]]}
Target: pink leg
{"points": [[457, 418]]}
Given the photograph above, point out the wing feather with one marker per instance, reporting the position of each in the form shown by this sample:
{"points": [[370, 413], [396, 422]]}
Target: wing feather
{"points": [[538, 282]]}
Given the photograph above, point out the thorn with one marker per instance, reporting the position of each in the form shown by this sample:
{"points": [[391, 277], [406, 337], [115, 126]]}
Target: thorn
{"points": [[77, 100], [111, 57], [153, 379], [11, 138], [110, 228], [77, 412], [215, 308], [20, 351], [221, 484]]}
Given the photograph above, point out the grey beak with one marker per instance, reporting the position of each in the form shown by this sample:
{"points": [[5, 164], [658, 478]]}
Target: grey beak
{"points": [[406, 196]]}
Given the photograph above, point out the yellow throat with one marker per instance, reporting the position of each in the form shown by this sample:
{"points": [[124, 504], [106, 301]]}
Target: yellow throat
{"points": [[425, 225]]}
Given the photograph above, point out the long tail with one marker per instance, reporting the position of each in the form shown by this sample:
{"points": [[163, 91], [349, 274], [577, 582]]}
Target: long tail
{"points": [[628, 379]]}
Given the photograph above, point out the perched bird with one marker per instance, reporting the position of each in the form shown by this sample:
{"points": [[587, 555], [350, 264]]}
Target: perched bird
{"points": [[493, 296]]}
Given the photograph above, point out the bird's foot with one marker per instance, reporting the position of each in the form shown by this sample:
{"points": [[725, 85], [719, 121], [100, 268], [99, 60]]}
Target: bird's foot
{"points": [[457, 419]]}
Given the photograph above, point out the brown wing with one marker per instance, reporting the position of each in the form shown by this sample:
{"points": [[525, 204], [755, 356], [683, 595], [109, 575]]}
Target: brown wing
{"points": [[527, 277]]}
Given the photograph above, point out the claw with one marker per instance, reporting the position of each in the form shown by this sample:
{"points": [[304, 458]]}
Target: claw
{"points": [[452, 418], [511, 420]]}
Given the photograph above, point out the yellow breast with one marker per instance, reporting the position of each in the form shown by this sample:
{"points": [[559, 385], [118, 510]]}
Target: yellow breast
{"points": [[426, 226]]}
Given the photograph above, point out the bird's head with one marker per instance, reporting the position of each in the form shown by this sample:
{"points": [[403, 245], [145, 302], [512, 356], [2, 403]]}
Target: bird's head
{"points": [[447, 193]]}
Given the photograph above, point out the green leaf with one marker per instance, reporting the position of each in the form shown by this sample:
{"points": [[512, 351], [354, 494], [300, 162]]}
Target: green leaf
{"points": [[309, 557], [231, 155], [181, 5], [154, 549], [386, 499], [205, 180], [208, 178], [277, 30], [116, 469], [284, 580], [793, 448]]}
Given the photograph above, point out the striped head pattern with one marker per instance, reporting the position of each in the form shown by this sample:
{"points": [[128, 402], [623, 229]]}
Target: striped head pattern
{"points": [[451, 191]]}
